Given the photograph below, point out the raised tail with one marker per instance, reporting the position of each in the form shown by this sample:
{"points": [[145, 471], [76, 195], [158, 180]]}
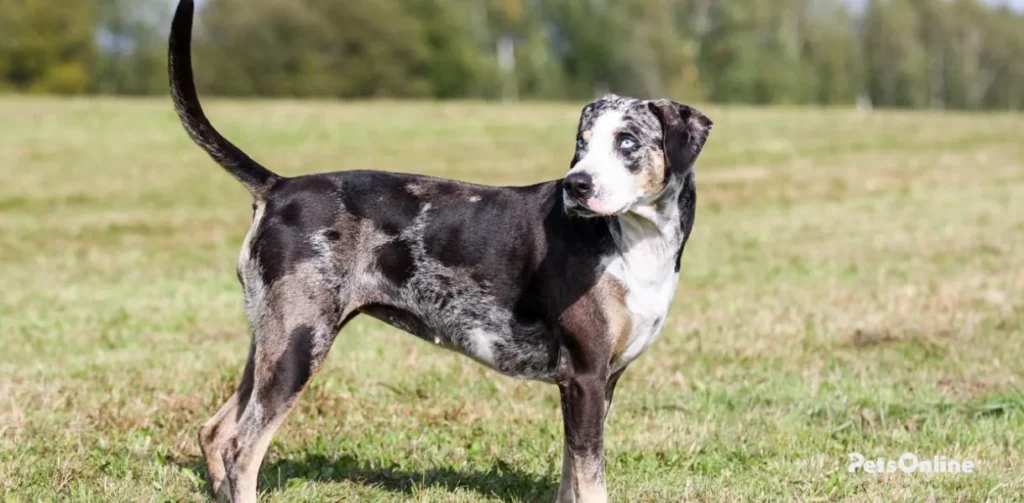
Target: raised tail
{"points": [[254, 176]]}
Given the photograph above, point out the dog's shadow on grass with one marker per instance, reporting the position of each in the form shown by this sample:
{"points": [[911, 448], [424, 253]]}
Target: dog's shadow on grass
{"points": [[500, 481]]}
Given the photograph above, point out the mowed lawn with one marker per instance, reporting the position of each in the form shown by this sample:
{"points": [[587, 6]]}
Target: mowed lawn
{"points": [[854, 283]]}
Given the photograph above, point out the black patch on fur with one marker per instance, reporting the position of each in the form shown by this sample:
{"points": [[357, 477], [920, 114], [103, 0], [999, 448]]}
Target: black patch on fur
{"points": [[400, 319], [395, 261], [381, 198], [291, 214], [291, 371], [298, 209], [248, 379], [299, 357], [687, 212], [583, 411], [451, 237], [270, 252], [609, 389], [684, 131]]}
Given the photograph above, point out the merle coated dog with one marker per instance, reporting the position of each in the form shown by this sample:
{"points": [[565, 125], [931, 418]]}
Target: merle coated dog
{"points": [[565, 281]]}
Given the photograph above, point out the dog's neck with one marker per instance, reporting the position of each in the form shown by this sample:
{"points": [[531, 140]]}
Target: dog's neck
{"points": [[656, 219], [651, 231]]}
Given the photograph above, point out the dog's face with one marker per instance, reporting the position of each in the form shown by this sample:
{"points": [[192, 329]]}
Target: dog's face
{"points": [[628, 151]]}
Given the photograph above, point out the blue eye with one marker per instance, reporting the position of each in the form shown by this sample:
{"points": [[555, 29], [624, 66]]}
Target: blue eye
{"points": [[627, 142], [580, 144]]}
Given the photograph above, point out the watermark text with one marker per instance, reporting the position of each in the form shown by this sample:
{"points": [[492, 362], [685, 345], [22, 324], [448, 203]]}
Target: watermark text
{"points": [[909, 462]]}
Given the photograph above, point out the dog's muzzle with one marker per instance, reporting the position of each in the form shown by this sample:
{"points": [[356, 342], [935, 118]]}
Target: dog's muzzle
{"points": [[579, 188]]}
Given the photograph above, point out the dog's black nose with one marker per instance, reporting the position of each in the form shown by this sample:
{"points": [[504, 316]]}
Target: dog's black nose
{"points": [[579, 185]]}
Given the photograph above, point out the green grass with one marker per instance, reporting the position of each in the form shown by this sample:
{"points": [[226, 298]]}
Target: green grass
{"points": [[854, 283]]}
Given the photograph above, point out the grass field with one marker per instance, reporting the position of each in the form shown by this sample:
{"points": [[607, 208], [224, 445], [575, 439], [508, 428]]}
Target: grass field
{"points": [[854, 283]]}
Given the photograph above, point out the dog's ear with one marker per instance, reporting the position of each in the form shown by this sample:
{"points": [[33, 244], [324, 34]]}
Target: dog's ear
{"points": [[684, 131]]}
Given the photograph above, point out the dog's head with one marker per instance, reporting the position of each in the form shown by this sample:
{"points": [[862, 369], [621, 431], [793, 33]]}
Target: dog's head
{"points": [[628, 151]]}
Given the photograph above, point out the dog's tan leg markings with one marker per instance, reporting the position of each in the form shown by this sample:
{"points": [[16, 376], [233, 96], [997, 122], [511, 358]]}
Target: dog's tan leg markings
{"points": [[294, 325], [281, 373], [588, 479], [214, 434], [210, 432], [252, 447], [610, 295]]}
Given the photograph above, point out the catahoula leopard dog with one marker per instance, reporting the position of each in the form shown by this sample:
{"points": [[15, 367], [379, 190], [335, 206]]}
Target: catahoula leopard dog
{"points": [[566, 281]]}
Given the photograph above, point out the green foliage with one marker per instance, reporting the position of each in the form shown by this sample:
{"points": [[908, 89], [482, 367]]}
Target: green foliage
{"points": [[67, 77], [132, 48], [835, 58], [46, 45], [304, 48], [895, 56], [895, 53], [455, 66]]}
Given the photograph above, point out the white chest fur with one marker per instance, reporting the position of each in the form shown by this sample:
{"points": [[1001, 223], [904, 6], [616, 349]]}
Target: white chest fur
{"points": [[646, 269]]}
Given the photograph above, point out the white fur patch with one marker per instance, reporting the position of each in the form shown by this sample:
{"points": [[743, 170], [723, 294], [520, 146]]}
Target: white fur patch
{"points": [[615, 187], [646, 269], [248, 269]]}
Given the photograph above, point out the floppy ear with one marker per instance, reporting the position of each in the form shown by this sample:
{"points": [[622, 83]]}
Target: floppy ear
{"points": [[684, 130]]}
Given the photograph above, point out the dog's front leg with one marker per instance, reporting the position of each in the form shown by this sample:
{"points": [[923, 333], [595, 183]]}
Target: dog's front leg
{"points": [[582, 385], [565, 489]]}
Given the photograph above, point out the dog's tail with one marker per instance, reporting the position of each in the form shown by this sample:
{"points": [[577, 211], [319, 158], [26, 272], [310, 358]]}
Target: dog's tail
{"points": [[254, 176]]}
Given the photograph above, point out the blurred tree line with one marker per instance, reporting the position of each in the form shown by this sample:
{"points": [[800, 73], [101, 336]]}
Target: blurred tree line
{"points": [[897, 53]]}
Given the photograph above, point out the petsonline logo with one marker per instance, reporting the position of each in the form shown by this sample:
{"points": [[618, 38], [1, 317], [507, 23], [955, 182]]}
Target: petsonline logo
{"points": [[909, 463]]}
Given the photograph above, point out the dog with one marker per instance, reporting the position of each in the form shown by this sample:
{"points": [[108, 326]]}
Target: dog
{"points": [[566, 281]]}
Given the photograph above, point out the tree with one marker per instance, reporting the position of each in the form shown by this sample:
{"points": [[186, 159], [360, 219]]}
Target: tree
{"points": [[47, 45], [1007, 88], [131, 47], [752, 53], [657, 58], [588, 37], [357, 48], [833, 52], [894, 55], [456, 64], [901, 53]]}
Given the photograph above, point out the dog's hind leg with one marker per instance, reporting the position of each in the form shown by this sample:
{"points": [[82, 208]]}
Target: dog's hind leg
{"points": [[220, 427], [292, 334]]}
